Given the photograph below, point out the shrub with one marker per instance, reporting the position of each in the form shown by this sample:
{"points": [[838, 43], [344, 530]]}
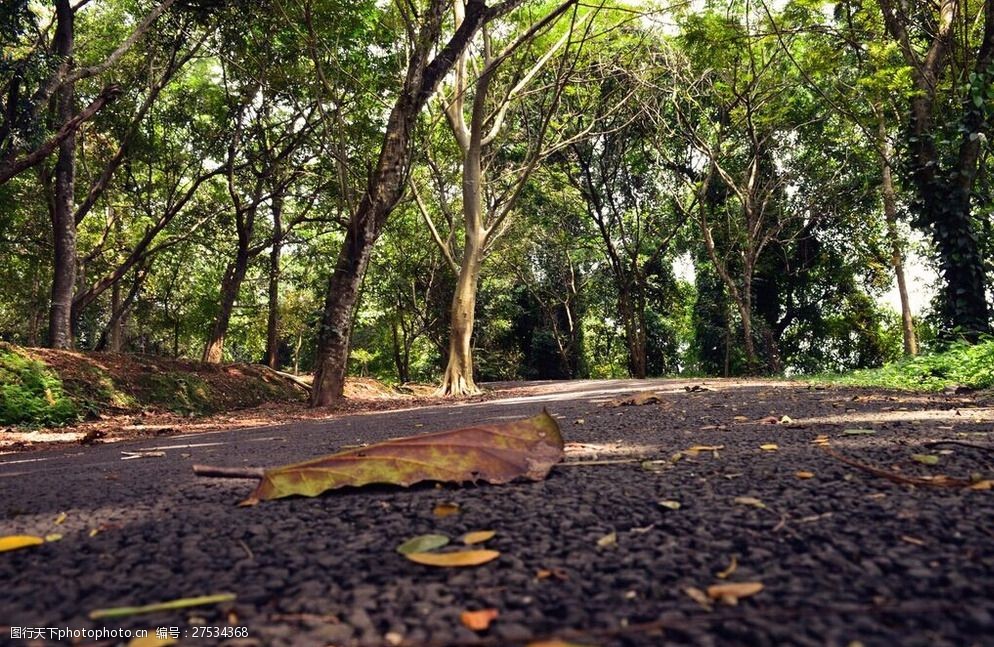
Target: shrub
{"points": [[30, 393]]}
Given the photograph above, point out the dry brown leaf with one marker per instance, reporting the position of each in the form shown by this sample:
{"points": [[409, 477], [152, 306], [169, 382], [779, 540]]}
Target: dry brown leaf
{"points": [[741, 418], [803, 475], [731, 592], [913, 540], [769, 447], [478, 620], [769, 420], [457, 559], [636, 400], [821, 439], [731, 568], [750, 501], [478, 536], [446, 509], [13, 542], [982, 485], [552, 573], [489, 453]]}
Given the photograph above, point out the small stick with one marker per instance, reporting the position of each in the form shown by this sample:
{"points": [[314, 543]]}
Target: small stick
{"points": [[229, 472], [896, 478]]}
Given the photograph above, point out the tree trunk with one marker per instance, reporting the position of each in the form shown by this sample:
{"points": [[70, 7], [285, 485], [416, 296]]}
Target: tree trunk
{"points": [[745, 312], [636, 350], [230, 287], [272, 324], [896, 255], [115, 334], [63, 223], [458, 379]]}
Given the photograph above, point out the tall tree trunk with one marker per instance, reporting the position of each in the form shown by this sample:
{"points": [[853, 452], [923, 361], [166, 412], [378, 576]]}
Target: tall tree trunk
{"points": [[458, 379], [634, 342], [745, 312], [272, 323], [231, 285], [115, 332], [889, 196], [63, 224]]}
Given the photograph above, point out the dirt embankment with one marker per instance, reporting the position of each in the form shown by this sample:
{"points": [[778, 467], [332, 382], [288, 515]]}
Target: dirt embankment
{"points": [[45, 387]]}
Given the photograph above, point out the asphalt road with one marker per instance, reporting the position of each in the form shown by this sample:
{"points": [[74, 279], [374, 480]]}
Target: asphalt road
{"points": [[845, 557]]}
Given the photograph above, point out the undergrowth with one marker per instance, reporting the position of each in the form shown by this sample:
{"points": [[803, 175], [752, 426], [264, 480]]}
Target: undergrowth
{"points": [[971, 366], [31, 393]]}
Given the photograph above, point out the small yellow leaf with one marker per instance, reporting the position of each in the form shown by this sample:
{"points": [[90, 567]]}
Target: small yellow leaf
{"points": [[13, 542], [821, 439], [669, 504], [741, 418], [696, 449], [698, 596], [94, 532], [982, 485], [478, 537], [461, 558], [769, 447], [478, 620], [926, 459], [61, 518], [53, 537], [801, 474], [446, 509], [151, 640], [732, 592], [731, 568], [750, 500], [610, 539]]}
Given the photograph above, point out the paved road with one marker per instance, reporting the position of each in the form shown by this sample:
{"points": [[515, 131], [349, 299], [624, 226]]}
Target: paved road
{"points": [[844, 556]]}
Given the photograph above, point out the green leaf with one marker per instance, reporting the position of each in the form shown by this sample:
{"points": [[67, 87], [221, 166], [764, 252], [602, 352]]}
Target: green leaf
{"points": [[926, 459], [172, 605], [422, 544]]}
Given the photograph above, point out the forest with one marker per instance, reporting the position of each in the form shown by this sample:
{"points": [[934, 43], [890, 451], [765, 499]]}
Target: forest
{"points": [[461, 191]]}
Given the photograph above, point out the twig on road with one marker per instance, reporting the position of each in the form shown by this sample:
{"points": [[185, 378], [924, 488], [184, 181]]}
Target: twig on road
{"points": [[229, 472]]}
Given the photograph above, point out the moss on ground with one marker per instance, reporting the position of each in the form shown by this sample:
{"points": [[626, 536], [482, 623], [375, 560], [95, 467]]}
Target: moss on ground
{"points": [[31, 393]]}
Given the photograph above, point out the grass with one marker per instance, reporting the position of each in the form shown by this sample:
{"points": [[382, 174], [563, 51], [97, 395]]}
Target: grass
{"points": [[971, 366], [31, 393]]}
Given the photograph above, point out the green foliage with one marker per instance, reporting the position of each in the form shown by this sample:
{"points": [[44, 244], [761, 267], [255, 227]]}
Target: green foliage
{"points": [[971, 366], [31, 393]]}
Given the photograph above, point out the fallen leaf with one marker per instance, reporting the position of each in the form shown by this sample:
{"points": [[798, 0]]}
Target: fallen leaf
{"points": [[13, 542], [801, 474], [741, 418], [925, 459], [731, 592], [696, 449], [635, 400], [446, 509], [750, 500], [552, 573], [53, 537], [477, 537], [669, 505], [94, 532], [770, 447], [151, 640], [422, 544], [490, 453], [786, 420], [821, 439], [858, 432], [983, 485], [912, 540], [731, 568], [478, 620], [460, 558], [60, 519], [698, 596], [610, 539], [768, 420], [172, 605]]}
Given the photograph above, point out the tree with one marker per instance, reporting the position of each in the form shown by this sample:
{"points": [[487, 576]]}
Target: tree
{"points": [[429, 61]]}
